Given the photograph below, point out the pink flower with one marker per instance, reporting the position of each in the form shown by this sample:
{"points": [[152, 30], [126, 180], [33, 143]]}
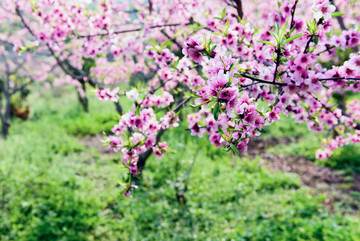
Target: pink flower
{"points": [[108, 95], [322, 154], [132, 94], [274, 115], [323, 9], [160, 149], [192, 49]]}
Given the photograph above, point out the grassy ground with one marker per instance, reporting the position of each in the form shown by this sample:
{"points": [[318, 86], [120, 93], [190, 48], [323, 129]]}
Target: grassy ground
{"points": [[52, 187], [305, 143]]}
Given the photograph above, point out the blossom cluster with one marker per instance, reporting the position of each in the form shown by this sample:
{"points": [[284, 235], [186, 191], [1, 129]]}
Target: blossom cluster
{"points": [[107, 94], [139, 134]]}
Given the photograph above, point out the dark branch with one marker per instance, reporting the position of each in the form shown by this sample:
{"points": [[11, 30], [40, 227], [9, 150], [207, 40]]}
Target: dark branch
{"points": [[293, 14], [328, 48], [163, 31], [277, 63], [130, 30], [339, 78], [263, 81], [239, 9]]}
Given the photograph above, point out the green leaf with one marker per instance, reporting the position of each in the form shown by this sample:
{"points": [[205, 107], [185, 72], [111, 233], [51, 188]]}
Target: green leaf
{"points": [[231, 66], [223, 14], [238, 75], [217, 33], [276, 36], [195, 106], [234, 149], [277, 28], [312, 49], [166, 42], [293, 38], [337, 14], [22, 49], [267, 42], [230, 81], [227, 24], [223, 64], [241, 139], [283, 29], [216, 111], [222, 133], [137, 111], [316, 39]]}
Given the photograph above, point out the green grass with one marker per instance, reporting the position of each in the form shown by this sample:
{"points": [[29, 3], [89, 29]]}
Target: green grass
{"points": [[54, 188], [305, 144], [69, 114]]}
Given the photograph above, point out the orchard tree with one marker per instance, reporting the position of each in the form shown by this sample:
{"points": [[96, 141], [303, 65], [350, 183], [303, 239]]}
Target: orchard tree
{"points": [[237, 65], [17, 73], [15, 79], [46, 28], [289, 61]]}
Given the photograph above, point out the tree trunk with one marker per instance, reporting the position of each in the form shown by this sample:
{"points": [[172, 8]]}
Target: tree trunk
{"points": [[5, 117], [84, 102], [144, 156], [5, 128]]}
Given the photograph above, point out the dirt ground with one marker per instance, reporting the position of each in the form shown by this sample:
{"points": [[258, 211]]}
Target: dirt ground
{"points": [[338, 188]]}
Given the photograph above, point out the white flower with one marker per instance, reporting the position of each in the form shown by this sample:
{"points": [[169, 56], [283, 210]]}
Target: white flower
{"points": [[323, 9], [132, 94]]}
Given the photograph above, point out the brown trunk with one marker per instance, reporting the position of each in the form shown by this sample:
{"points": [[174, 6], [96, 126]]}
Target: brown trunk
{"points": [[83, 99], [5, 128], [5, 117]]}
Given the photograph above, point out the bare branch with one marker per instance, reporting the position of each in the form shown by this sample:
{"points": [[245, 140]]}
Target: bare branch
{"points": [[263, 81]]}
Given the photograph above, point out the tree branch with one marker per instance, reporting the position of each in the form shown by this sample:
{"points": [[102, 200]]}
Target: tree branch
{"points": [[293, 14], [263, 81], [72, 71], [339, 78], [239, 9], [130, 30], [163, 31]]}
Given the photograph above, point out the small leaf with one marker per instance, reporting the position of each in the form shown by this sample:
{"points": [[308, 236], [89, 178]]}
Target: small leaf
{"points": [[217, 33], [230, 82], [222, 134], [195, 106], [283, 29], [223, 14], [316, 39], [216, 111], [293, 38], [337, 14], [241, 139], [235, 150], [276, 36], [166, 42], [267, 42], [137, 111], [277, 28]]}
